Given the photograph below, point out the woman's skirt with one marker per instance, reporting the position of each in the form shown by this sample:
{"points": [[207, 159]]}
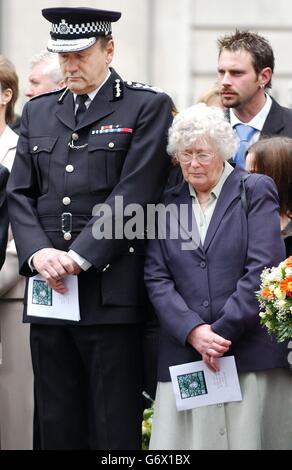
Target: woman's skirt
{"points": [[262, 420]]}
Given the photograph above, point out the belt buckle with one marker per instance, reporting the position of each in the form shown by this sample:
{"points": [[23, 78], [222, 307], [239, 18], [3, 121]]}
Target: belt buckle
{"points": [[66, 220]]}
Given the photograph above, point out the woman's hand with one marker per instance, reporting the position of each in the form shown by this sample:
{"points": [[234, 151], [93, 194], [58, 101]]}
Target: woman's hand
{"points": [[210, 345]]}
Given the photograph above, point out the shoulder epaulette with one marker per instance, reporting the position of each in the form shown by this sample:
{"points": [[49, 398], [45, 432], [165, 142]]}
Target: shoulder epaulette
{"points": [[143, 87], [53, 92]]}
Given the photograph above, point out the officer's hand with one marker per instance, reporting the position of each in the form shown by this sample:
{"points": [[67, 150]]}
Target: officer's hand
{"points": [[58, 286], [53, 264], [71, 267], [69, 264]]}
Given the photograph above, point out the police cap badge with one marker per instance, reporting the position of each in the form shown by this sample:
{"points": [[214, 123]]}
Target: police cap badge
{"points": [[75, 29]]}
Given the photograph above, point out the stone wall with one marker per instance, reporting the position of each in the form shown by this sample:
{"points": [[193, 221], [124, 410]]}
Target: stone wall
{"points": [[165, 43]]}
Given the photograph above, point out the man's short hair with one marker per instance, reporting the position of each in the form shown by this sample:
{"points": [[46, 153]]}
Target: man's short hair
{"points": [[258, 47], [104, 40], [52, 66]]}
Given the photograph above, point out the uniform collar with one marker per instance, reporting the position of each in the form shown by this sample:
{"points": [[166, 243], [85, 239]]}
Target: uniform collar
{"points": [[93, 93], [102, 105]]}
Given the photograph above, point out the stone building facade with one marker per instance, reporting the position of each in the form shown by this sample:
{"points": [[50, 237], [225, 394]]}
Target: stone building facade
{"points": [[166, 43]]}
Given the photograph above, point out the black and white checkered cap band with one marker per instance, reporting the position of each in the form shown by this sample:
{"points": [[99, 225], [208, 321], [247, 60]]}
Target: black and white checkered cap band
{"points": [[94, 27]]}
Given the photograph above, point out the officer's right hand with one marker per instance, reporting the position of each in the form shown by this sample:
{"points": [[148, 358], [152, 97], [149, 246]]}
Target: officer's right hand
{"points": [[54, 265]]}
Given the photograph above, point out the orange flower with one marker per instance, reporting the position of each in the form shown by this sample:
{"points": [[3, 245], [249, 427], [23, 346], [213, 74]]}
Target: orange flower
{"points": [[286, 285], [266, 292], [289, 262]]}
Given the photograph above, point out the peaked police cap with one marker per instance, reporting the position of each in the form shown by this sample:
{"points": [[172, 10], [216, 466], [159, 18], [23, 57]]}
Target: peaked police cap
{"points": [[75, 29]]}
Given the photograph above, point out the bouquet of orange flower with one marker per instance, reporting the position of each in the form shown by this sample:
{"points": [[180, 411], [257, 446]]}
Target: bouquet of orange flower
{"points": [[275, 298]]}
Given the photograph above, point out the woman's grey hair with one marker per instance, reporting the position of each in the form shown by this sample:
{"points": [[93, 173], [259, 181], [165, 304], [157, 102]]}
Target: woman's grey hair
{"points": [[198, 124]]}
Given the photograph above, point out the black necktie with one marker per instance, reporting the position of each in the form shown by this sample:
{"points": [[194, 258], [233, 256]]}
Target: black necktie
{"points": [[80, 100]]}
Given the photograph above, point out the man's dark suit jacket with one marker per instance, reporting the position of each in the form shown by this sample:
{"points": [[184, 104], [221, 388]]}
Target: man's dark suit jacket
{"points": [[278, 122]]}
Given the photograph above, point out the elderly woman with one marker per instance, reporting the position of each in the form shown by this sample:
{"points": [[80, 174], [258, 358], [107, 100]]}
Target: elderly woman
{"points": [[205, 296]]}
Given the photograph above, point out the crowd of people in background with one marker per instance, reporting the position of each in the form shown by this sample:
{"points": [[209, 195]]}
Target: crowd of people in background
{"points": [[85, 137]]}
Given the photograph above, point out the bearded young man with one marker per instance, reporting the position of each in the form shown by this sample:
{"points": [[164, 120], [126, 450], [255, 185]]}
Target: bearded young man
{"points": [[245, 68]]}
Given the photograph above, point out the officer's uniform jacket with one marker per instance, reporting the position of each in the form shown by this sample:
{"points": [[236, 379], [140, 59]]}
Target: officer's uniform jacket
{"points": [[118, 149]]}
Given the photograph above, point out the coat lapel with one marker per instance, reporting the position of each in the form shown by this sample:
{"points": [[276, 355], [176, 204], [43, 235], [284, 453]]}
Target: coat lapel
{"points": [[65, 112], [98, 109], [230, 191], [189, 232], [274, 122]]}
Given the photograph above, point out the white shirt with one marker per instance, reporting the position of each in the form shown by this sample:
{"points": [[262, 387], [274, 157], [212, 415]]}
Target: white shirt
{"points": [[203, 215], [92, 94], [257, 121]]}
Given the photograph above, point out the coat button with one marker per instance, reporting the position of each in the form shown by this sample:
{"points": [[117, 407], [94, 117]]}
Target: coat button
{"points": [[66, 201], [203, 264], [111, 145], [35, 148], [69, 168], [105, 268], [131, 249], [75, 136], [67, 236], [206, 303]]}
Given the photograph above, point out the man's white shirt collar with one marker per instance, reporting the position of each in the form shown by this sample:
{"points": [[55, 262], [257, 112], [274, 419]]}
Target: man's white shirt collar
{"points": [[257, 121], [93, 93]]}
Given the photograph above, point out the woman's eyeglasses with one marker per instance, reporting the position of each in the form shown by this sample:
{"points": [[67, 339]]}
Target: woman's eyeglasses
{"points": [[187, 157]]}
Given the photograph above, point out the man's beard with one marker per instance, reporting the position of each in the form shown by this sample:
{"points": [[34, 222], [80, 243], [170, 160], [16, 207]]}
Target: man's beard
{"points": [[231, 103]]}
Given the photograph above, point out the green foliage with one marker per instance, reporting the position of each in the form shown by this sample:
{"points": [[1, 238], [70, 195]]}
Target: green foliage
{"points": [[147, 427]]}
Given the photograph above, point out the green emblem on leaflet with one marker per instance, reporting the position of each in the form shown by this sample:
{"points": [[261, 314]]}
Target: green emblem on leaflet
{"points": [[41, 293], [192, 385]]}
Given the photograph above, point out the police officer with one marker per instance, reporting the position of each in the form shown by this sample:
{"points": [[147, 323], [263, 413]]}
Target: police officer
{"points": [[99, 140]]}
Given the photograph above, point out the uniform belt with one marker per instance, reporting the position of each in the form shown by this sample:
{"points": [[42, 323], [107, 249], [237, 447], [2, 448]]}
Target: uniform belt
{"points": [[65, 222]]}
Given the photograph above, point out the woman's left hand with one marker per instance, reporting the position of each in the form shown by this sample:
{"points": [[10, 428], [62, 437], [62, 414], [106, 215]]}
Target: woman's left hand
{"points": [[211, 362], [209, 344]]}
